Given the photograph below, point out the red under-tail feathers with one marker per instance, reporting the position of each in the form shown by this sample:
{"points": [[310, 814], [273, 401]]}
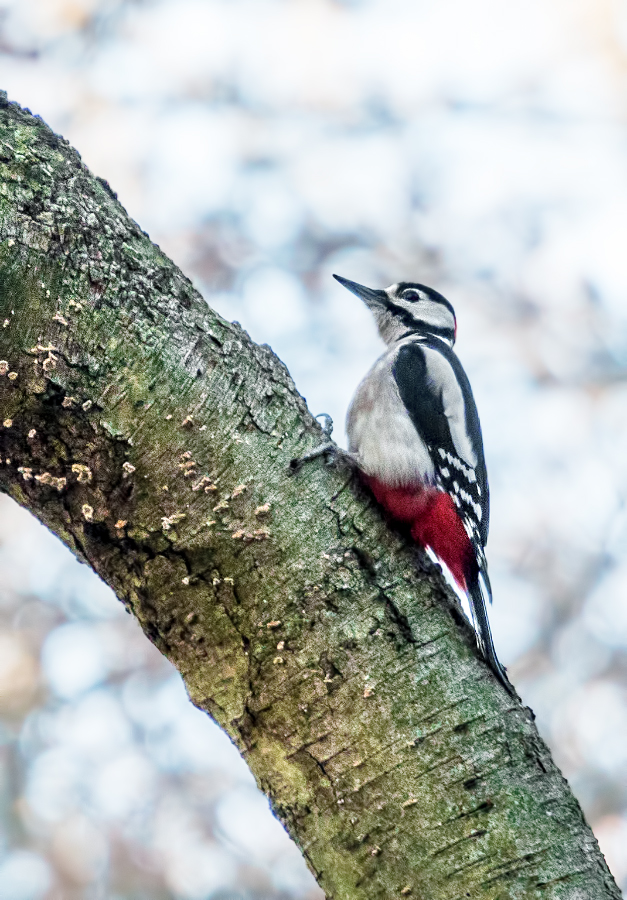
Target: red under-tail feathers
{"points": [[434, 523]]}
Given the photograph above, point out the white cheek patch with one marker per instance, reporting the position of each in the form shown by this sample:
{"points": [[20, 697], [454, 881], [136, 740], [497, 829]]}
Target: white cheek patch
{"points": [[426, 311], [436, 315]]}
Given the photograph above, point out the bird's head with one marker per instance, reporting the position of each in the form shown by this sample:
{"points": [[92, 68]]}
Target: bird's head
{"points": [[407, 308]]}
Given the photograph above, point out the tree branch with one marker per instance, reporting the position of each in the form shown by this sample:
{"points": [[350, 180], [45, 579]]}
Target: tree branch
{"points": [[155, 439]]}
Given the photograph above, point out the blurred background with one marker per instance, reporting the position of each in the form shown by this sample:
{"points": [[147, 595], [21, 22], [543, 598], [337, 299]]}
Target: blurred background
{"points": [[478, 147]]}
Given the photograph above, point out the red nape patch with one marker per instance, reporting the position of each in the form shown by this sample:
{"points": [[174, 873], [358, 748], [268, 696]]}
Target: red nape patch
{"points": [[434, 523]]}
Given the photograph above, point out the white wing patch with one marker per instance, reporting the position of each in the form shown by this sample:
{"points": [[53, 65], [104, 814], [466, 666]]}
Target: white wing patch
{"points": [[441, 375]]}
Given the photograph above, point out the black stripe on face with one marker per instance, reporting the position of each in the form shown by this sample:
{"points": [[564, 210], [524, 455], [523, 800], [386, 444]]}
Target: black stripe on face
{"points": [[413, 324], [422, 328], [429, 292]]}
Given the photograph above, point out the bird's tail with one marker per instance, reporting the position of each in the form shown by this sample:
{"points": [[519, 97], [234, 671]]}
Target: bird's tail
{"points": [[478, 590]]}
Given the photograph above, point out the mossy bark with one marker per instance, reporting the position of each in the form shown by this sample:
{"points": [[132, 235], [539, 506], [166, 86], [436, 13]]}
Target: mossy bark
{"points": [[155, 439]]}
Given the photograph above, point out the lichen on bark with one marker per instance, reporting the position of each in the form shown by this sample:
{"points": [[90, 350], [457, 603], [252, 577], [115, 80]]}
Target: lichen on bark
{"points": [[155, 439]]}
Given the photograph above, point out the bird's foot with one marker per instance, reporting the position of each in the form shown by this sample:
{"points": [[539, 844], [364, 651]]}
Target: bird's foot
{"points": [[329, 449]]}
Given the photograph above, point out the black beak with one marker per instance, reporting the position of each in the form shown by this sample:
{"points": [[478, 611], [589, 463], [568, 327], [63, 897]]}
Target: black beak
{"points": [[368, 295]]}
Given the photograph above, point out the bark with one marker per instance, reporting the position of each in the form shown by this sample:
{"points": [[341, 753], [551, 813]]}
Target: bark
{"points": [[155, 439]]}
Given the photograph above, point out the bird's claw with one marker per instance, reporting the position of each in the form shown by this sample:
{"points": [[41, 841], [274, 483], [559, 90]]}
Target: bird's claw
{"points": [[327, 428], [328, 447]]}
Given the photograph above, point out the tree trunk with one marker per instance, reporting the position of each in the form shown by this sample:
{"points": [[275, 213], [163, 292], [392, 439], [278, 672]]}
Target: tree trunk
{"points": [[155, 439]]}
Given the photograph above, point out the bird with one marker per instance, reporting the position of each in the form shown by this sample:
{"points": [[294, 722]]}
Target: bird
{"points": [[414, 434]]}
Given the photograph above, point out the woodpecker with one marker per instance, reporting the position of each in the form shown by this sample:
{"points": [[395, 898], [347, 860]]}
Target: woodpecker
{"points": [[414, 433]]}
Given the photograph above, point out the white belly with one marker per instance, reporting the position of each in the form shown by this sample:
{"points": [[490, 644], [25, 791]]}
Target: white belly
{"points": [[382, 436]]}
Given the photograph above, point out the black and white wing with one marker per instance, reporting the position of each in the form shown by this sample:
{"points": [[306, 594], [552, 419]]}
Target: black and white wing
{"points": [[438, 398]]}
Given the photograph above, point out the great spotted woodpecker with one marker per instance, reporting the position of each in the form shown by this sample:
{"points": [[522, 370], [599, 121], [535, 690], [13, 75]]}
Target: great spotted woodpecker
{"points": [[414, 433]]}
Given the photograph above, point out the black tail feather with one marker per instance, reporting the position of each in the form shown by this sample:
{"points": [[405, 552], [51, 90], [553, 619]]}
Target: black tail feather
{"points": [[477, 599]]}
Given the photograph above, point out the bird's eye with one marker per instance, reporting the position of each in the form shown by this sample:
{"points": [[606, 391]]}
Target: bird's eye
{"points": [[411, 295]]}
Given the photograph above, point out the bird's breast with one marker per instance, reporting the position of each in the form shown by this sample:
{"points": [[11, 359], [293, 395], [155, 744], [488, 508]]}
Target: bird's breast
{"points": [[381, 434]]}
